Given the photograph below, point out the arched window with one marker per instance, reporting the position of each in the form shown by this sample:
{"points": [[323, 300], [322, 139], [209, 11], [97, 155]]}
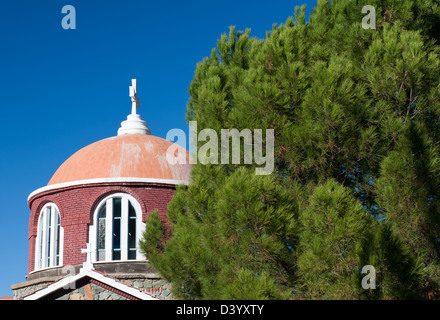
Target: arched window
{"points": [[49, 243], [117, 228]]}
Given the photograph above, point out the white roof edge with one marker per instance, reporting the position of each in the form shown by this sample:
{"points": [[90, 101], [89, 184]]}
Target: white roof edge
{"points": [[105, 180], [94, 275]]}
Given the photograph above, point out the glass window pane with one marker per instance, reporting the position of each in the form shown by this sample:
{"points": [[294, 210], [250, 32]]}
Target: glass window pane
{"points": [[131, 211], [116, 233], [117, 228], [48, 230], [116, 255], [101, 233], [131, 232], [57, 238], [117, 207], [102, 211], [132, 254], [101, 227], [131, 227]]}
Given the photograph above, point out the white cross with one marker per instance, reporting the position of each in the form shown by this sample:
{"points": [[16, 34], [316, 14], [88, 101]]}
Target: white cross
{"points": [[134, 96], [88, 264]]}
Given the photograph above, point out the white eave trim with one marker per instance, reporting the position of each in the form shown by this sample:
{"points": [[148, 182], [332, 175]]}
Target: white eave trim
{"points": [[65, 282], [105, 180]]}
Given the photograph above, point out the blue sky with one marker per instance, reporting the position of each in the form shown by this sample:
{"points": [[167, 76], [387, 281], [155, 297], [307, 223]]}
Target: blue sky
{"points": [[61, 90]]}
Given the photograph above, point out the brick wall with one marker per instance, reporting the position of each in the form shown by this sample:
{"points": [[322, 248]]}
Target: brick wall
{"points": [[77, 205]]}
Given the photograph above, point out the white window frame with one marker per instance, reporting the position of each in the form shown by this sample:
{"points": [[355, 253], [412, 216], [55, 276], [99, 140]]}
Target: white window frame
{"points": [[140, 228], [42, 238]]}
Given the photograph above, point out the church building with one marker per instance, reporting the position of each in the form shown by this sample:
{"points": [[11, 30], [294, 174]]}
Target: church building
{"points": [[85, 225]]}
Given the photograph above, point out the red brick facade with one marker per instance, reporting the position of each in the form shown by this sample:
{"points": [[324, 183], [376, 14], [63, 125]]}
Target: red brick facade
{"points": [[77, 205]]}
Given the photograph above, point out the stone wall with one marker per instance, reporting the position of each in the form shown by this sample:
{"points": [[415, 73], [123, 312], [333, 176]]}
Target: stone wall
{"points": [[157, 288], [24, 289], [91, 291]]}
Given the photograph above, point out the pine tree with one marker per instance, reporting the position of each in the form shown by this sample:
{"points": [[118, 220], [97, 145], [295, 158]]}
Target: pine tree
{"points": [[355, 114]]}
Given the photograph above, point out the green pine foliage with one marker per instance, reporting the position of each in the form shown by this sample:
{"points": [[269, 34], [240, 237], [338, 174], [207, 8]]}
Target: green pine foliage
{"points": [[355, 114], [225, 233], [335, 228]]}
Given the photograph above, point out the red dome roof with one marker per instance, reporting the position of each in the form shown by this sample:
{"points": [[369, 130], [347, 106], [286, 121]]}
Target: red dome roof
{"points": [[127, 156]]}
